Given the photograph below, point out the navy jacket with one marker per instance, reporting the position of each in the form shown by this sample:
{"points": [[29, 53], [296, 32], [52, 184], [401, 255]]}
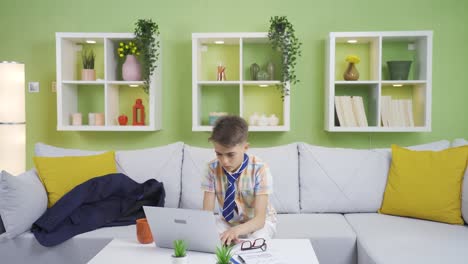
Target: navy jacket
{"points": [[110, 200]]}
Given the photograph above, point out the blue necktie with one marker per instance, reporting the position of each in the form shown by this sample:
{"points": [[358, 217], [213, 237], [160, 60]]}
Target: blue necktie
{"points": [[229, 203]]}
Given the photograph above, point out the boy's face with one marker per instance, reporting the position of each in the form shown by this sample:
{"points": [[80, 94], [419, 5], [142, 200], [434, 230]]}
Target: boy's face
{"points": [[231, 157]]}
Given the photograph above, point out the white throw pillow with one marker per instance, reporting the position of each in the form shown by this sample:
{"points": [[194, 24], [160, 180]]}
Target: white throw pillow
{"points": [[283, 163], [161, 163], [339, 180], [23, 201], [458, 143]]}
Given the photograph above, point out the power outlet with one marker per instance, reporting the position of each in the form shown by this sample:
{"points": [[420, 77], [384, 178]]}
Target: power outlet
{"points": [[54, 87]]}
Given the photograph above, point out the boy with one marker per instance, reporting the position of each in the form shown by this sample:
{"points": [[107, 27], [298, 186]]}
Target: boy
{"points": [[244, 205]]}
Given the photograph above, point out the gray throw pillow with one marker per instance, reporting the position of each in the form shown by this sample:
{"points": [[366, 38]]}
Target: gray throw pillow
{"points": [[23, 200]]}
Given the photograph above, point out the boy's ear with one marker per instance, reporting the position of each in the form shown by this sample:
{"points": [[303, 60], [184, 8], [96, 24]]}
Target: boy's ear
{"points": [[246, 146]]}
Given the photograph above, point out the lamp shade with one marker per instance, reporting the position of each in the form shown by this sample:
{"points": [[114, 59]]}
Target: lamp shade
{"points": [[12, 118]]}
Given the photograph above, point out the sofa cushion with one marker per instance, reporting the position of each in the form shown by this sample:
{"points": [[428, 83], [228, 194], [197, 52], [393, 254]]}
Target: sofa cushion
{"points": [[331, 236], [457, 143], [356, 185], [59, 175], [79, 249], [161, 163], [391, 239], [44, 150], [426, 184], [283, 163], [23, 201]]}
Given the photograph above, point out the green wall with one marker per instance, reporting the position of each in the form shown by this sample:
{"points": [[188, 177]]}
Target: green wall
{"points": [[28, 35]]}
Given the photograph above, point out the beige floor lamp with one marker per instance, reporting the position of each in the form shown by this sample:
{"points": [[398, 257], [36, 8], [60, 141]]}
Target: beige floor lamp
{"points": [[12, 118]]}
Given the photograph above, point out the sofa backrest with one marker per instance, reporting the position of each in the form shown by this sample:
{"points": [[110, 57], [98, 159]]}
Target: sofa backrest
{"points": [[344, 180], [283, 163], [160, 163]]}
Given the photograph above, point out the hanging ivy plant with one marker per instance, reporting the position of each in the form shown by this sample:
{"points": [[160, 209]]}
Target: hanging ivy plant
{"points": [[146, 32], [282, 37]]}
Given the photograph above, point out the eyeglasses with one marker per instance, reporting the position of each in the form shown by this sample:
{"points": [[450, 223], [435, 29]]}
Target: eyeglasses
{"points": [[259, 243]]}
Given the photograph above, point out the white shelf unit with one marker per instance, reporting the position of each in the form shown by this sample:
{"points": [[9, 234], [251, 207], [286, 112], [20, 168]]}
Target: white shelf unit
{"points": [[238, 94], [374, 50], [109, 94]]}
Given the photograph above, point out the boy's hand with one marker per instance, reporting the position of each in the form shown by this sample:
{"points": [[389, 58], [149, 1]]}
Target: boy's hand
{"points": [[230, 236]]}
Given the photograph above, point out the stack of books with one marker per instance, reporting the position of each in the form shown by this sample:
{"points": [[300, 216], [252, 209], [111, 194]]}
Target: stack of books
{"points": [[350, 111], [396, 112]]}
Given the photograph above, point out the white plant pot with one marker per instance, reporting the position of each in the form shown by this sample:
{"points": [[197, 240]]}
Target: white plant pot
{"points": [[182, 260]]}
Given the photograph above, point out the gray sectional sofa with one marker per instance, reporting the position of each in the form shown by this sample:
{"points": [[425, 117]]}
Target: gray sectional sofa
{"points": [[328, 195]]}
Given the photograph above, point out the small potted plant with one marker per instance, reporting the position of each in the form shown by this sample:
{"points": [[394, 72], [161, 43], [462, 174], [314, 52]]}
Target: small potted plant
{"points": [[131, 70], [88, 73], [283, 38], [146, 32], [223, 255], [180, 252], [351, 73]]}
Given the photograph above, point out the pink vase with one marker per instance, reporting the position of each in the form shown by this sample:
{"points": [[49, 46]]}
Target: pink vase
{"points": [[131, 70]]}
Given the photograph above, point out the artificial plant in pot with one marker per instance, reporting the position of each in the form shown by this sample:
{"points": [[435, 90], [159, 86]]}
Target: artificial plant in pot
{"points": [[146, 32], [88, 73], [180, 252], [223, 255], [283, 38]]}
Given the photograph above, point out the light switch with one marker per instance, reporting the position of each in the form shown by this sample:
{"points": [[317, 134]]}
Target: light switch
{"points": [[33, 87], [54, 86]]}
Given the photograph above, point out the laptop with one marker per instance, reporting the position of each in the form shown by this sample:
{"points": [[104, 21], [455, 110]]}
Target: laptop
{"points": [[196, 227]]}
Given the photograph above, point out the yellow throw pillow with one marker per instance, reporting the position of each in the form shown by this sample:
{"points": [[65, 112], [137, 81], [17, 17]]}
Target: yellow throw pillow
{"points": [[426, 184], [59, 175]]}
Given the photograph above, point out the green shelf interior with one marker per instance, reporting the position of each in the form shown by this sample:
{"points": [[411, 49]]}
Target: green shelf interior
{"points": [[398, 51], [362, 50], [260, 53], [368, 94], [416, 93], [98, 49], [263, 100], [223, 98], [90, 100], [225, 54]]}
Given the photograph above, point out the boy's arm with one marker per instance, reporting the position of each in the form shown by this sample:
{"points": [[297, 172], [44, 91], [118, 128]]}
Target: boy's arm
{"points": [[209, 201], [256, 223]]}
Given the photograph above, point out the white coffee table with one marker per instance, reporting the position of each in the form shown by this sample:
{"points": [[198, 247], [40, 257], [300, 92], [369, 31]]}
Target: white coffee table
{"points": [[130, 251]]}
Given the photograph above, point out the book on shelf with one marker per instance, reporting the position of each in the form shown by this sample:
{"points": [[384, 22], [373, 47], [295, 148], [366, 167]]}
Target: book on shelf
{"points": [[350, 111], [396, 112]]}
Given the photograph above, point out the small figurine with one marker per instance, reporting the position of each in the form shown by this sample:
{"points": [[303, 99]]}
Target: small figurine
{"points": [[221, 76], [138, 113]]}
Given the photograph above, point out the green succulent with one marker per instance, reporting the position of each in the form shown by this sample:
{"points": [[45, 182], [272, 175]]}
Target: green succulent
{"points": [[223, 254], [180, 248], [282, 37], [88, 57]]}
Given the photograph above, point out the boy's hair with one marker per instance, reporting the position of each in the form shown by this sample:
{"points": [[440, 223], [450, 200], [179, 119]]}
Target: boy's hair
{"points": [[229, 131]]}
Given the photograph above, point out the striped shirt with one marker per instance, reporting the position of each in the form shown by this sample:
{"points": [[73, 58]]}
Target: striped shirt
{"points": [[255, 179]]}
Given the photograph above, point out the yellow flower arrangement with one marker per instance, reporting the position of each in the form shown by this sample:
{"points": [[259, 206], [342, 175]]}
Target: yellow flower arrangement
{"points": [[129, 48], [353, 59]]}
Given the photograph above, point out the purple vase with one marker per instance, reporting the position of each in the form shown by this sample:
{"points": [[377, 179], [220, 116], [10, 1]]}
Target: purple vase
{"points": [[131, 70]]}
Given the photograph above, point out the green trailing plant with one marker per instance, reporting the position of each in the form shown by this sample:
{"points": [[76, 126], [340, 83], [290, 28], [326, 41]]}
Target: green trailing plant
{"points": [[282, 37], [223, 255], [88, 57], [180, 248], [146, 32]]}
